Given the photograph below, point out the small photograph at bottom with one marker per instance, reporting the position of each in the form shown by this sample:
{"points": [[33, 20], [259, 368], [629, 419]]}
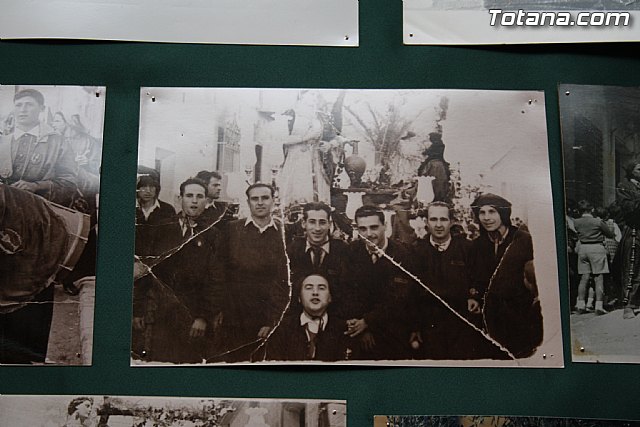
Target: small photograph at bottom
{"points": [[493, 421], [140, 411]]}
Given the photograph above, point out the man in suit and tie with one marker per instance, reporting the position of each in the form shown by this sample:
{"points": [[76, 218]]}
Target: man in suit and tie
{"points": [[317, 252], [34, 157], [378, 292], [311, 333]]}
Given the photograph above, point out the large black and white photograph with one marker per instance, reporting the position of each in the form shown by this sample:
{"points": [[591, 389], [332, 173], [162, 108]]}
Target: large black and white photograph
{"points": [[481, 22], [601, 150], [410, 227], [495, 421], [50, 155], [141, 411]]}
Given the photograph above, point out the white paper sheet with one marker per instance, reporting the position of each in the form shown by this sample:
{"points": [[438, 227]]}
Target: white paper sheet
{"points": [[278, 22], [468, 22]]}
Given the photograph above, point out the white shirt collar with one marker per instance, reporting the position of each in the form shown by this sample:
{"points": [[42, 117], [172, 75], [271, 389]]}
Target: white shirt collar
{"points": [[440, 246], [378, 250], [314, 324], [147, 212], [250, 220], [325, 246], [35, 131]]}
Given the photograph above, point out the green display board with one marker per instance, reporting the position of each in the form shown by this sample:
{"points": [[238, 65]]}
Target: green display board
{"points": [[381, 61]]}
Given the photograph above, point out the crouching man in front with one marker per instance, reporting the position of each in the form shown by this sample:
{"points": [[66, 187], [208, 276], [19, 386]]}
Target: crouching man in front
{"points": [[310, 334]]}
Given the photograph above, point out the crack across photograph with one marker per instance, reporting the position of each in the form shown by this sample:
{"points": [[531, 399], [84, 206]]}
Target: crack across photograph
{"points": [[314, 226], [523, 18]]}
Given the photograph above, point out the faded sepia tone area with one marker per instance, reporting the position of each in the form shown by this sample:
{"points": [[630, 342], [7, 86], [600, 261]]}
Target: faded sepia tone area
{"points": [[139, 411], [357, 226], [601, 150], [50, 156]]}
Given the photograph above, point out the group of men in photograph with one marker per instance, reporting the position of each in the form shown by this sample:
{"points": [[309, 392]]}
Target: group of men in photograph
{"points": [[214, 289]]}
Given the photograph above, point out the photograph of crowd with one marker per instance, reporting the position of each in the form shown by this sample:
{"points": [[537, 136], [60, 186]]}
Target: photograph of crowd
{"points": [[494, 421], [601, 147], [311, 226], [50, 154], [139, 411]]}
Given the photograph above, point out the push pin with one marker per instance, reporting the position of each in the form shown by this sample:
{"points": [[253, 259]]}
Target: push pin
{"points": [[346, 37], [97, 94], [582, 349], [153, 99], [334, 412], [567, 93], [78, 355], [530, 102], [410, 34], [544, 356]]}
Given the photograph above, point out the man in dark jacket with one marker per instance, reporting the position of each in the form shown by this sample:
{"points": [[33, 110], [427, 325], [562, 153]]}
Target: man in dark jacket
{"points": [[317, 253], [312, 333], [378, 292], [250, 272], [442, 264], [175, 305]]}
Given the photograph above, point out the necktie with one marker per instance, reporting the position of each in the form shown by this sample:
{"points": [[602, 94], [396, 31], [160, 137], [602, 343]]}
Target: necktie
{"points": [[316, 255], [440, 247], [374, 257], [313, 336]]}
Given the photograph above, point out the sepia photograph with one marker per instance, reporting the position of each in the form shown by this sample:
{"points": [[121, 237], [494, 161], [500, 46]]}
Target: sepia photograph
{"points": [[50, 155], [601, 150], [489, 22], [140, 411], [331, 225], [494, 421]]}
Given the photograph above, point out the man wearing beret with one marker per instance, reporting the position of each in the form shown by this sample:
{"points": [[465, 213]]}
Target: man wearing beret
{"points": [[34, 157]]}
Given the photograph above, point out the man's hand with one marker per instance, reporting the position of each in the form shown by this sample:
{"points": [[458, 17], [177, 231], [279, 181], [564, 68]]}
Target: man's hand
{"points": [[198, 328], [264, 332], [31, 187], [86, 280], [415, 340], [218, 320], [368, 342], [138, 323], [355, 327], [473, 306]]}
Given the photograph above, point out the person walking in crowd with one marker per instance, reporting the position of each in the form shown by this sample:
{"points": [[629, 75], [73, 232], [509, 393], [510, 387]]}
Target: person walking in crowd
{"points": [[592, 255], [175, 306], [628, 199], [378, 293], [311, 333], [504, 278], [34, 157], [442, 264], [251, 275]]}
